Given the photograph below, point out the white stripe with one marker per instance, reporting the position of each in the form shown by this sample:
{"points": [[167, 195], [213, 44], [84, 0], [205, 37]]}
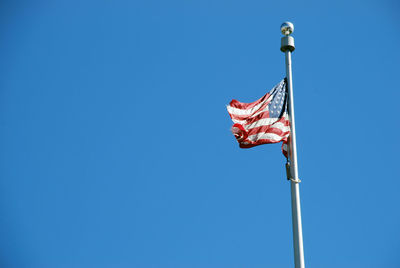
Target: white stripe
{"points": [[278, 125], [281, 126], [270, 136], [237, 111], [261, 122], [243, 122], [264, 121]]}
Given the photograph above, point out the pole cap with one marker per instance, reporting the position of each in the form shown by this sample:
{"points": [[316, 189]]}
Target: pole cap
{"points": [[287, 42]]}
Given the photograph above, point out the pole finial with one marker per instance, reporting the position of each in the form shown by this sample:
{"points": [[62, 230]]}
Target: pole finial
{"points": [[287, 28], [287, 42]]}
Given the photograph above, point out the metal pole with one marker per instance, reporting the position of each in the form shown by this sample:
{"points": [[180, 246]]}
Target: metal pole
{"points": [[287, 46]]}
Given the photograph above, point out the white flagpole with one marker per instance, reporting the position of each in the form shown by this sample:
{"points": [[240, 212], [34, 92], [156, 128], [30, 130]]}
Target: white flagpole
{"points": [[287, 46]]}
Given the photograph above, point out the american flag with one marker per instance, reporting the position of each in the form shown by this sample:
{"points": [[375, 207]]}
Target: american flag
{"points": [[263, 121]]}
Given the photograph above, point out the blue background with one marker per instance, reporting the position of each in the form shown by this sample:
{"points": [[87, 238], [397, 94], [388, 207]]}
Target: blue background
{"points": [[115, 149]]}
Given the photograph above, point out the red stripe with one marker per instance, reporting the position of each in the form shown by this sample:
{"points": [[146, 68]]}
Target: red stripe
{"points": [[245, 106], [267, 129], [259, 142], [284, 121], [265, 115], [285, 152]]}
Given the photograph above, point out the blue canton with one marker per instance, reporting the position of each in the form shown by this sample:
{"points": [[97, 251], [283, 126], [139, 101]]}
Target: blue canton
{"points": [[278, 102]]}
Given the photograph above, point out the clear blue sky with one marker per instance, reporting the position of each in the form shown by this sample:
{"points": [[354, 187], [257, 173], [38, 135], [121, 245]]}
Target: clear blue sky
{"points": [[115, 149]]}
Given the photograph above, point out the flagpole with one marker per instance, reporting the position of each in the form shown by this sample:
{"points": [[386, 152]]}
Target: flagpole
{"points": [[287, 46]]}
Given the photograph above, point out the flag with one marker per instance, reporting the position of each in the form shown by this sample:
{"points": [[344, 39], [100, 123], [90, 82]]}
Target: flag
{"points": [[263, 121]]}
